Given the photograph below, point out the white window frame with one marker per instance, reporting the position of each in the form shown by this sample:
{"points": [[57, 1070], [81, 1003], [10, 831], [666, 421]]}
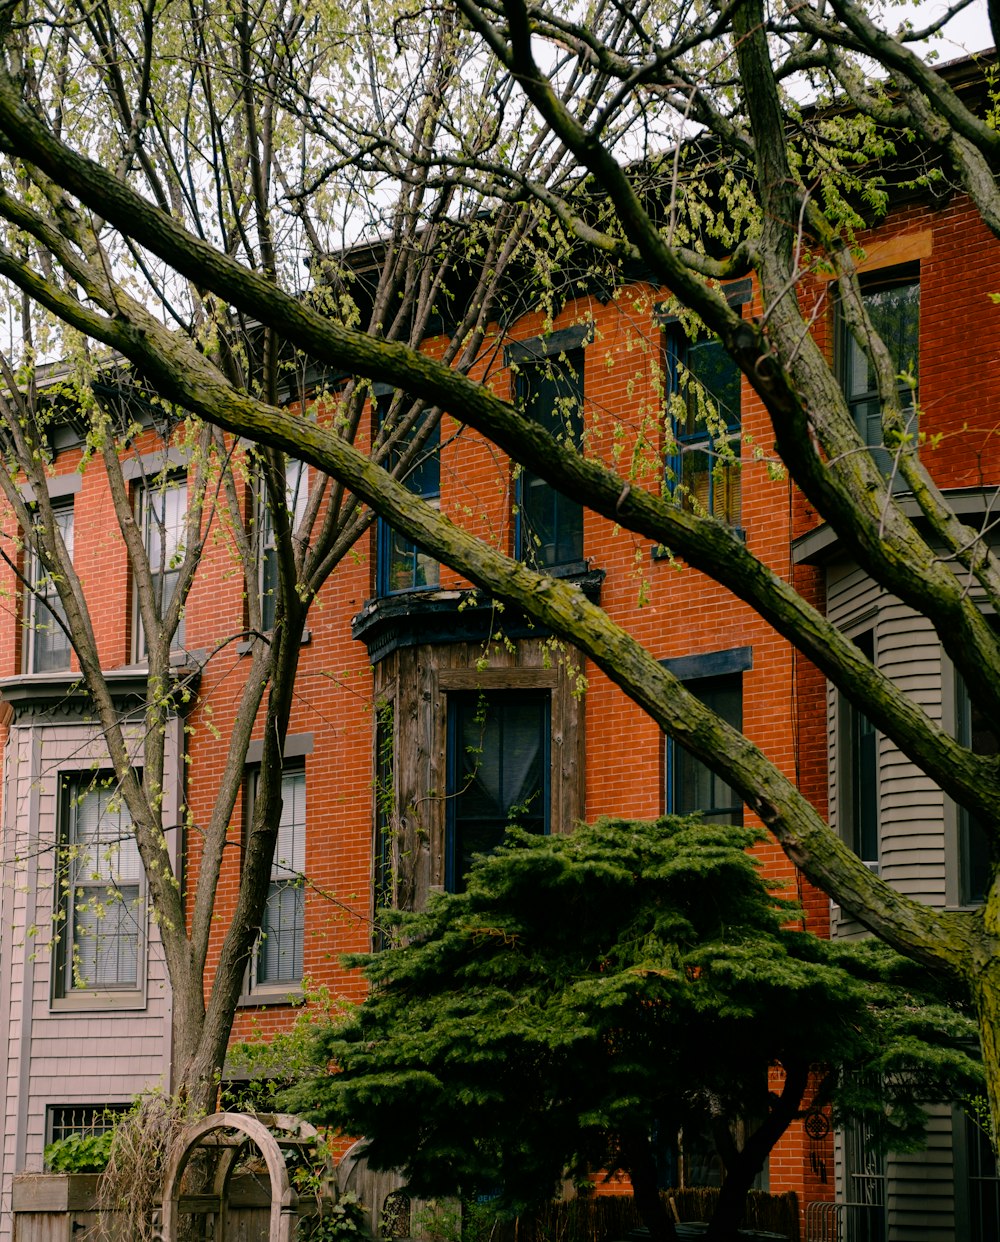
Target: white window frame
{"points": [[163, 563], [96, 881], [297, 498], [41, 597], [287, 876]]}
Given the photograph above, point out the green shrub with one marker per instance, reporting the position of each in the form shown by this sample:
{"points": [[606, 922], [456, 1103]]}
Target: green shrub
{"points": [[343, 1221], [79, 1153]]}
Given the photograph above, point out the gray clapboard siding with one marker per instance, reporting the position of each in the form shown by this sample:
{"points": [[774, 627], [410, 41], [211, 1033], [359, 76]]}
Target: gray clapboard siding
{"points": [[921, 1187], [52, 1055], [914, 818], [911, 807]]}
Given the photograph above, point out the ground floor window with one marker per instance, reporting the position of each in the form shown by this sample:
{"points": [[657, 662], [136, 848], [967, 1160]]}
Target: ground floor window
{"points": [[983, 1183], [498, 772], [864, 1178], [62, 1120], [103, 916], [977, 731], [691, 785]]}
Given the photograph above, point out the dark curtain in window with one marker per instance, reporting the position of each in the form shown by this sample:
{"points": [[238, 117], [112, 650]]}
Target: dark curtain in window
{"points": [[498, 772]]}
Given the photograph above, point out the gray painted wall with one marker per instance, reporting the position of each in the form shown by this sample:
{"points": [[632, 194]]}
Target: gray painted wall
{"points": [[918, 856], [95, 1051]]}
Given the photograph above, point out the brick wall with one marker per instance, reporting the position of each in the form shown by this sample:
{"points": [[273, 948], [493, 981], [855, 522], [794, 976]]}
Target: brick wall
{"points": [[673, 609]]}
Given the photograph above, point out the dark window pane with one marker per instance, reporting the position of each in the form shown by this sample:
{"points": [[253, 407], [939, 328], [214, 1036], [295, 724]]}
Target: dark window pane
{"points": [[693, 786], [978, 733], [864, 1162], [550, 525], [860, 786], [282, 931], [297, 498], [498, 772], [711, 375], [163, 513], [104, 889], [894, 310], [401, 565], [383, 879], [705, 468], [48, 643], [984, 1185]]}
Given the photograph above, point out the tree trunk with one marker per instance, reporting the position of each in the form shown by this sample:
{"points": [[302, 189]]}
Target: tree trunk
{"points": [[986, 992], [637, 1160], [743, 1164]]}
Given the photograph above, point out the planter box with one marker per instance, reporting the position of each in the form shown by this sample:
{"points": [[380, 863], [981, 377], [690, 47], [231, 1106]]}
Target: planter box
{"points": [[55, 1192]]}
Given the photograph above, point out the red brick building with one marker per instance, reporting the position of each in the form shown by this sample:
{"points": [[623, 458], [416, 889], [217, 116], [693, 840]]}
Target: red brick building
{"points": [[403, 663]]}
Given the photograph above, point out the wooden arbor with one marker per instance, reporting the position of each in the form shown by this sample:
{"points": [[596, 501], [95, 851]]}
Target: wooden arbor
{"points": [[226, 1140]]}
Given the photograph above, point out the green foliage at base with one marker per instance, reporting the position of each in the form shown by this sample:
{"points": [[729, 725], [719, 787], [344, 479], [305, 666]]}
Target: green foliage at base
{"points": [[343, 1221], [79, 1153], [260, 1068], [588, 991]]}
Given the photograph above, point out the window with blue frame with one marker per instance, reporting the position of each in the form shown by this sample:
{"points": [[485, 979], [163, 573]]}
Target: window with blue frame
{"points": [[498, 772], [549, 530], [893, 306], [401, 564], [691, 785], [976, 731], [704, 386]]}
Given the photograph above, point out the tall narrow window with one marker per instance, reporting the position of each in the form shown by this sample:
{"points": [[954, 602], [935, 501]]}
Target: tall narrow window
{"points": [[47, 643], [705, 387], [278, 957], [401, 564], [864, 1181], [498, 766], [859, 786], [893, 306], [296, 499], [550, 525], [979, 734], [983, 1184], [104, 914], [693, 787], [162, 515]]}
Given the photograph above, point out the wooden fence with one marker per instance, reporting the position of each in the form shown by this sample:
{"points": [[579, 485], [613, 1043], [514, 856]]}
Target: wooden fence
{"points": [[62, 1208]]}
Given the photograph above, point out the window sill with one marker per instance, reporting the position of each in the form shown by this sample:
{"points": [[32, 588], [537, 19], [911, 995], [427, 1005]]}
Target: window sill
{"points": [[270, 995], [247, 645], [396, 592], [565, 569], [660, 553], [92, 1001]]}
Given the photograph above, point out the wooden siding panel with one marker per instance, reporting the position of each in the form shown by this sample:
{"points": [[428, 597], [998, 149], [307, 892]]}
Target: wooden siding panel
{"points": [[416, 681], [911, 809], [921, 1187], [78, 1056]]}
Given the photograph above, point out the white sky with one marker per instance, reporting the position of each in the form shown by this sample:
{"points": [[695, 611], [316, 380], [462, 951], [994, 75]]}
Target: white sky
{"points": [[968, 32]]}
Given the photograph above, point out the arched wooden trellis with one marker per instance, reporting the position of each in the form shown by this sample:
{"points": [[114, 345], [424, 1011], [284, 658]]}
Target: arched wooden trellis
{"points": [[228, 1136]]}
